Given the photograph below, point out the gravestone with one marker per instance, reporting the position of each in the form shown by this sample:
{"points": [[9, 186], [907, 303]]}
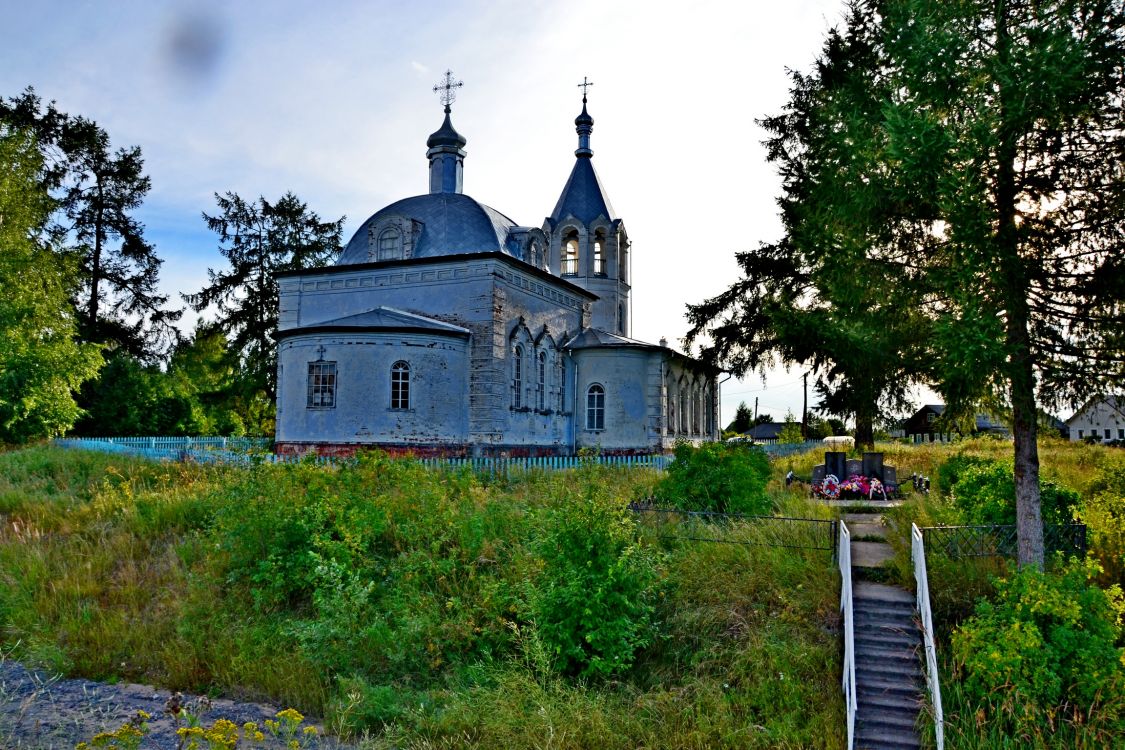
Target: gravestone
{"points": [[873, 465], [818, 473], [891, 476], [836, 462]]}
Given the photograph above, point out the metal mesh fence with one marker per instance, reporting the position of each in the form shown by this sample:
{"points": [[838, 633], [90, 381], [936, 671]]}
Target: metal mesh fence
{"points": [[735, 528], [956, 542]]}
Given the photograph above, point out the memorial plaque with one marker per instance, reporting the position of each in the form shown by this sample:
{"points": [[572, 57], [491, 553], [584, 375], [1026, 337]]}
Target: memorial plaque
{"points": [[873, 465], [836, 462], [854, 466]]}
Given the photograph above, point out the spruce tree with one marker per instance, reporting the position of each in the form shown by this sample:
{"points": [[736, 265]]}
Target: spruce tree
{"points": [[260, 239]]}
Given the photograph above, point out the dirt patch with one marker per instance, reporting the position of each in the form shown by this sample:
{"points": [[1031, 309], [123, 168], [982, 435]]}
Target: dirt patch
{"points": [[39, 712]]}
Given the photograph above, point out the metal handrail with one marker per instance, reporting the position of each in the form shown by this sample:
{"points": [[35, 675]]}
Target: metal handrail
{"points": [[918, 556], [850, 699]]}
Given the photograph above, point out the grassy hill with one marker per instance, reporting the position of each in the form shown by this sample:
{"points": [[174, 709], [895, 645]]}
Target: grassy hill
{"points": [[418, 607]]}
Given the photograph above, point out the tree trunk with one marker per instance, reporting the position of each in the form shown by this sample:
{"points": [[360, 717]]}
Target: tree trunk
{"points": [[95, 271], [1013, 287], [864, 431]]}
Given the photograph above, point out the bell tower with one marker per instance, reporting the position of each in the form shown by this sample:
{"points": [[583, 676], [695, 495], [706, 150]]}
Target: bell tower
{"points": [[589, 245]]}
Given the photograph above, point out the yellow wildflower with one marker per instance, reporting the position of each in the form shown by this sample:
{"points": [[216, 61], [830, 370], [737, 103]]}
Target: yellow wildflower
{"points": [[310, 730], [290, 714]]}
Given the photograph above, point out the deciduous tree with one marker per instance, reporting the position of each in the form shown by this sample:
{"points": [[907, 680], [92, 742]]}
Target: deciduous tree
{"points": [[967, 156], [41, 365]]}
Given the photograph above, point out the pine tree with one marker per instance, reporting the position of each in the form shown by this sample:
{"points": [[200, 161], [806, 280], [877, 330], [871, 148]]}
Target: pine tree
{"points": [[97, 190], [260, 239], [820, 297]]}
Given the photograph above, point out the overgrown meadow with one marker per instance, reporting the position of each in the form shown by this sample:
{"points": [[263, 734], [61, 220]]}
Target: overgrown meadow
{"points": [[420, 608]]}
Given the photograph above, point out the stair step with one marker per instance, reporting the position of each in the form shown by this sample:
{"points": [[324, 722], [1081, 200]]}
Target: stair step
{"points": [[869, 744], [893, 702], [883, 619], [875, 605], [866, 652], [871, 737], [881, 687], [886, 639], [882, 592], [888, 671], [876, 717]]}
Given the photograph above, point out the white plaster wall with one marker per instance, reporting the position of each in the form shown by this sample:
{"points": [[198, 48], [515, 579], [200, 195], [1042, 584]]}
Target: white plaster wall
{"points": [[1095, 419], [438, 389]]}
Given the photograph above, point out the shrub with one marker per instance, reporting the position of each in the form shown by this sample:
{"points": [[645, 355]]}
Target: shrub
{"points": [[598, 587], [718, 477], [1046, 641], [1104, 514], [985, 492]]}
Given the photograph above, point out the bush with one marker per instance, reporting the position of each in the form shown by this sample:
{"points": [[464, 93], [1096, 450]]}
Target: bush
{"points": [[727, 478], [985, 493], [1047, 641], [1104, 514], [598, 589]]}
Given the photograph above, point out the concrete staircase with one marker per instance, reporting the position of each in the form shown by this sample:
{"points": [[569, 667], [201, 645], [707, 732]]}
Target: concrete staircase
{"points": [[888, 670], [888, 673]]}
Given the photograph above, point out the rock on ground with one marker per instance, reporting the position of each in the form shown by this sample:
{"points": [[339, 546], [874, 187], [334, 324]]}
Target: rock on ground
{"points": [[39, 712]]}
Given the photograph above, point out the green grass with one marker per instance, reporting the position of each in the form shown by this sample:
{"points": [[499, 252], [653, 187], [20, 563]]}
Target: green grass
{"points": [[398, 602]]}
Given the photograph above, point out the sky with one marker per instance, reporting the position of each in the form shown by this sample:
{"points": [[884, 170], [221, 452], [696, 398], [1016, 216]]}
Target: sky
{"points": [[333, 101]]}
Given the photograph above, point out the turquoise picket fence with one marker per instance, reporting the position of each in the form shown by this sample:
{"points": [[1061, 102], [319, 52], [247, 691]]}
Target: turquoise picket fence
{"points": [[248, 451]]}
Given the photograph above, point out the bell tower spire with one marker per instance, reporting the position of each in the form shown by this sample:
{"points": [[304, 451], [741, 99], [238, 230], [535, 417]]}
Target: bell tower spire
{"points": [[584, 124], [446, 146], [589, 246]]}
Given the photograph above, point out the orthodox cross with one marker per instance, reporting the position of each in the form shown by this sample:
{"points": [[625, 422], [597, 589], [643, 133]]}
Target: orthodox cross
{"points": [[585, 85], [321, 350], [446, 89]]}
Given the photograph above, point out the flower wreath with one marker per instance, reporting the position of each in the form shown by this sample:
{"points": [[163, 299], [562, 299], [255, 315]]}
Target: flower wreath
{"points": [[830, 487], [876, 486]]}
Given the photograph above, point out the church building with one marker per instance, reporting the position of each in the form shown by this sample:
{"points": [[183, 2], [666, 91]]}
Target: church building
{"points": [[445, 328]]}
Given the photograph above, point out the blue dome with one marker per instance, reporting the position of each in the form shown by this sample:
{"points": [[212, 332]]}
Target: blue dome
{"points": [[451, 224]]}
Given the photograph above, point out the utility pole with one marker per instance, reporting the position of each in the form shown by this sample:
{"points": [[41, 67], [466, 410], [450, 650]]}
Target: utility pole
{"points": [[805, 409], [755, 410]]}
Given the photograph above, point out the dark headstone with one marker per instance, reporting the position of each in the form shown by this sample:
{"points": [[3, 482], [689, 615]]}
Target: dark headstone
{"points": [[854, 466], [836, 462], [890, 476], [818, 473], [873, 465]]}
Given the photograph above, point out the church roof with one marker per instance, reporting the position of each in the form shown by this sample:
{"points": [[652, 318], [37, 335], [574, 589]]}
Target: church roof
{"points": [[451, 224], [379, 319], [590, 338], [584, 198]]}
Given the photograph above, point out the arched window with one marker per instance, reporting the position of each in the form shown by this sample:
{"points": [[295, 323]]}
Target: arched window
{"points": [[683, 412], [400, 385], [622, 257], [599, 253], [390, 244], [535, 254], [621, 318], [671, 412], [517, 377], [541, 382], [595, 407], [570, 254], [696, 412], [561, 380]]}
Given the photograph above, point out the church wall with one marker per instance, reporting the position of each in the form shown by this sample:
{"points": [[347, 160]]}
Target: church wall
{"points": [[627, 375], [362, 413], [527, 317]]}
